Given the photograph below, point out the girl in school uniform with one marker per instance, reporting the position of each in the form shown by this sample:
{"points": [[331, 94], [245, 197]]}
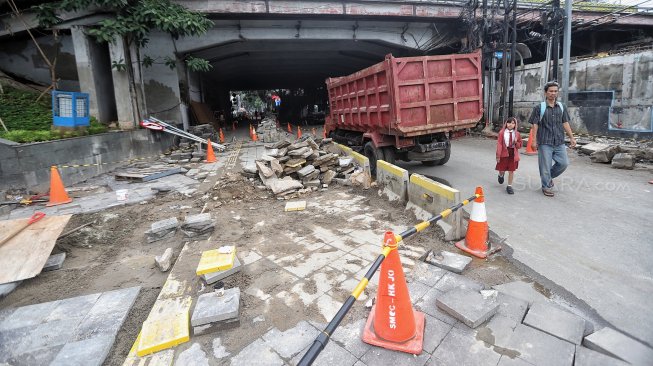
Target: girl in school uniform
{"points": [[508, 144]]}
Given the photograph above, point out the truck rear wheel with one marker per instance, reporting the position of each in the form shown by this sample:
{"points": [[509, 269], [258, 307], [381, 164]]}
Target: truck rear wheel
{"points": [[389, 154], [373, 154], [447, 155]]}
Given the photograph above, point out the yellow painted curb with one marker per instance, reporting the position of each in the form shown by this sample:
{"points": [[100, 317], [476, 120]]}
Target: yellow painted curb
{"points": [[392, 169], [213, 260], [435, 187]]}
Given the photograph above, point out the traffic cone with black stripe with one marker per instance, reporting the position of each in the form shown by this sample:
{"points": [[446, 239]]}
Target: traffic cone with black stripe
{"points": [[476, 240], [392, 323]]}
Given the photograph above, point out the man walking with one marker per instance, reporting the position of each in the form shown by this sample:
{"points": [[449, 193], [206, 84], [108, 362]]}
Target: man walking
{"points": [[550, 121]]}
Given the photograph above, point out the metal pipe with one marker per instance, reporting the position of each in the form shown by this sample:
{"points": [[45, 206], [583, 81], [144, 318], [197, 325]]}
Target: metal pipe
{"points": [[566, 53], [323, 338]]}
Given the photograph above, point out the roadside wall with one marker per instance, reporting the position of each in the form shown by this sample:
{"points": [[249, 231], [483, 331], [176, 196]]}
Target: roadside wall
{"points": [[27, 166], [611, 95]]}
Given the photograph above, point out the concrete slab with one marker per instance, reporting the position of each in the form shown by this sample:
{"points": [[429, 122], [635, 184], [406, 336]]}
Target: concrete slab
{"points": [[89, 352], [426, 273], [48, 334], [511, 307], [383, 357], [427, 304], [116, 301], [260, 351], [212, 308], [451, 281], [615, 344], [28, 315], [507, 361], [434, 332], [291, 342], [460, 347], [194, 355], [349, 337], [588, 357], [54, 262], [332, 354], [521, 290], [214, 277], [556, 322], [467, 306], [539, 348], [42, 356], [450, 261]]}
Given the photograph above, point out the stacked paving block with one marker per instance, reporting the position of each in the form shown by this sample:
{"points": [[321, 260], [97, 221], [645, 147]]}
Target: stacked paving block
{"points": [[162, 229], [197, 225]]}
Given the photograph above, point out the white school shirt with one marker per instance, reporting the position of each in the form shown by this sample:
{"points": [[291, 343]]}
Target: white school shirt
{"points": [[506, 137]]}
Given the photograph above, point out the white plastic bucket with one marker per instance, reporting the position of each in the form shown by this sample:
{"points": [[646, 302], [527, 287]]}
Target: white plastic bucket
{"points": [[121, 194]]}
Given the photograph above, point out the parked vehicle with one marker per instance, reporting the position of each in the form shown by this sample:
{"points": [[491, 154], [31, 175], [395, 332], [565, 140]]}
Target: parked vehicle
{"points": [[405, 108]]}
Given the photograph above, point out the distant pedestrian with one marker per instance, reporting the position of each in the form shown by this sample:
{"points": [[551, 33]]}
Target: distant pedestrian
{"points": [[508, 144], [550, 121]]}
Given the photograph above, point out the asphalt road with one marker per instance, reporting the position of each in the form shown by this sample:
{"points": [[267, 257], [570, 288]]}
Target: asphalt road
{"points": [[594, 238]]}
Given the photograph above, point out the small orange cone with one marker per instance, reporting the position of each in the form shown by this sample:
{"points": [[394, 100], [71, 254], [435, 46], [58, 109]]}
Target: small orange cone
{"points": [[476, 239], [324, 135], [221, 137], [58, 195], [289, 129], [392, 323], [529, 147], [254, 137], [210, 156], [299, 132]]}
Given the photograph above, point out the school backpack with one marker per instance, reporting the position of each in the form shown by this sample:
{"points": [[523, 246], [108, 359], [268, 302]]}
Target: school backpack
{"points": [[543, 108]]}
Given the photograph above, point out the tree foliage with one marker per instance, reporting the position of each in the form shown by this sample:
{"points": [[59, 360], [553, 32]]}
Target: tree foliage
{"points": [[133, 21]]}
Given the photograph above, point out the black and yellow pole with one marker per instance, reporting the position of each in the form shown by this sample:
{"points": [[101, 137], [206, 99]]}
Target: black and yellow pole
{"points": [[323, 338]]}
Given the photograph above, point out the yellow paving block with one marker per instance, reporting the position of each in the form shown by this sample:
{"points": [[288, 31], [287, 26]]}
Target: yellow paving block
{"points": [[213, 260], [162, 332], [296, 206]]}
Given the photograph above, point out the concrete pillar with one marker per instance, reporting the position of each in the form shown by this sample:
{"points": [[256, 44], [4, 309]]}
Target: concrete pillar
{"points": [[94, 78], [124, 103]]}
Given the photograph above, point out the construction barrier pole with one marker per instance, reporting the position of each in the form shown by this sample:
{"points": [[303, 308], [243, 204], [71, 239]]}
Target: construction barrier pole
{"points": [[323, 338]]}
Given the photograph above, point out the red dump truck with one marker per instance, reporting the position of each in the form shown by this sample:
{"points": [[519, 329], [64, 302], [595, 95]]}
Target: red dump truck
{"points": [[405, 108]]}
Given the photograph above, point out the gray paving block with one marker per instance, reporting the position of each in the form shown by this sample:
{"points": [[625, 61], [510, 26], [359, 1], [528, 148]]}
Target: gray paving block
{"points": [[216, 327], [260, 351], [539, 348], [556, 322], [588, 357], [349, 337], [164, 225], [511, 307], [497, 332], [54, 262], [7, 288], [28, 315], [378, 356], [48, 334], [507, 361], [417, 290], [332, 354], [615, 344], [447, 260], [116, 301], [426, 273], [214, 277], [194, 355], [451, 281], [470, 307], [99, 325], [521, 290], [77, 306], [460, 347], [434, 332], [427, 304], [42, 356], [291, 342], [11, 338], [212, 308], [89, 352]]}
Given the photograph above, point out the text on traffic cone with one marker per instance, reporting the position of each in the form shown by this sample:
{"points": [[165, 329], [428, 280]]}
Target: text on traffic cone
{"points": [[58, 195], [393, 324]]}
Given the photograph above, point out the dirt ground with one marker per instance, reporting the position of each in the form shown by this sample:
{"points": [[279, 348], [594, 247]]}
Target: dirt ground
{"points": [[113, 253]]}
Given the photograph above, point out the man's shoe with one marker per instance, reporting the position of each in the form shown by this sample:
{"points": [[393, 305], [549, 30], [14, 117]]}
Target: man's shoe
{"points": [[500, 179], [547, 192], [509, 190]]}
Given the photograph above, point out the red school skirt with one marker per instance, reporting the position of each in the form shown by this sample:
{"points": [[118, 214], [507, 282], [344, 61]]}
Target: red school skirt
{"points": [[508, 164]]}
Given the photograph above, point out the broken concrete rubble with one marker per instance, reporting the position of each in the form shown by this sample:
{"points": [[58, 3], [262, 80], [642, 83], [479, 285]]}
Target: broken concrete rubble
{"points": [[164, 261], [623, 161]]}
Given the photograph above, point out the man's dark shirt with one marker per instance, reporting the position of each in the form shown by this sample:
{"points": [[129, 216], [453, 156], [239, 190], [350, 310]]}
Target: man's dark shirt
{"points": [[550, 130]]}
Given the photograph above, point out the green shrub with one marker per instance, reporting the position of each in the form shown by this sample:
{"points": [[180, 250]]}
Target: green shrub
{"points": [[20, 111]]}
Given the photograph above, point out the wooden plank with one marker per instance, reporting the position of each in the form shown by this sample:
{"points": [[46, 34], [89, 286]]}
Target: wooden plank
{"points": [[25, 254]]}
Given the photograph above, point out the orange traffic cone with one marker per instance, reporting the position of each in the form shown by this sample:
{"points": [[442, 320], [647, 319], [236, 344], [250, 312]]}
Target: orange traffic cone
{"points": [[299, 132], [476, 239], [289, 129], [254, 137], [324, 135], [210, 156], [58, 195], [221, 136], [529, 147], [392, 323]]}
